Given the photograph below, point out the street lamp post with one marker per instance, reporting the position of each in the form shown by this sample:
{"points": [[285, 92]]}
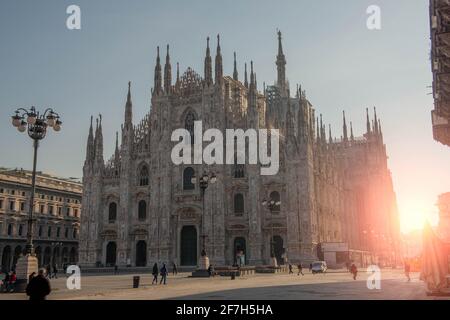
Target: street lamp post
{"points": [[36, 125], [271, 205], [204, 181]]}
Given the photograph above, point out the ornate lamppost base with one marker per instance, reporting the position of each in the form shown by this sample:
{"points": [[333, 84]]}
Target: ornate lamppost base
{"points": [[202, 271], [25, 266]]}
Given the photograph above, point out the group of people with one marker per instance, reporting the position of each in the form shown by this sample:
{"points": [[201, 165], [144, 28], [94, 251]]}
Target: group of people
{"points": [[8, 281], [299, 267], [162, 272]]}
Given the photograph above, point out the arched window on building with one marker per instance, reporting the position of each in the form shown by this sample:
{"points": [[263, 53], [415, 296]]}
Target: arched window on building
{"points": [[75, 233], [40, 231], [66, 233], [189, 124], [49, 232], [112, 213], [10, 228], [143, 176], [275, 196], [142, 210], [20, 230], [188, 173], [239, 204]]}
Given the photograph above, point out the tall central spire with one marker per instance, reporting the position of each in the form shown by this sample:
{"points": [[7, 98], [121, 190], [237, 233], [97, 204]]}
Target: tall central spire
{"points": [[208, 64], [167, 73], [245, 76], [218, 67], [158, 76], [128, 108], [281, 64]]}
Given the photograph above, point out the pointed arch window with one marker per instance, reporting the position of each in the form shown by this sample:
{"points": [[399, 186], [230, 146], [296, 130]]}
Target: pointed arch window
{"points": [[188, 173], [143, 176], [239, 204], [112, 214], [142, 210], [189, 124]]}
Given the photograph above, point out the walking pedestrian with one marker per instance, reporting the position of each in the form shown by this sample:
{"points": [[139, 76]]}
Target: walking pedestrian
{"points": [[55, 271], [290, 269], [407, 271], [354, 271], [116, 269], [163, 273], [310, 267], [174, 269], [38, 287], [48, 272], [300, 269], [155, 273]]}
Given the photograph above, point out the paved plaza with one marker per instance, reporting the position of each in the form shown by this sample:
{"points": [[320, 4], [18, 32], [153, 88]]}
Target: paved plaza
{"points": [[333, 285]]}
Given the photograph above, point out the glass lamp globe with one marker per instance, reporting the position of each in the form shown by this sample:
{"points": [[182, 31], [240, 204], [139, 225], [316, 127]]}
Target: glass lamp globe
{"points": [[51, 120], [22, 127], [57, 125], [194, 179], [213, 179], [31, 119], [16, 120]]}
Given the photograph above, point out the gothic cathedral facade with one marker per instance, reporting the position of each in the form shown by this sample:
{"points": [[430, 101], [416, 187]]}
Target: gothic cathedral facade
{"points": [[140, 208]]}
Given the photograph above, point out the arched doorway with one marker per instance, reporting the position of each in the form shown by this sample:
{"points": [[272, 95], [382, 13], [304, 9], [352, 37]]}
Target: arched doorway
{"points": [[141, 254], [6, 259], [47, 256], [73, 256], [240, 251], [65, 255], [17, 254], [56, 257], [188, 246], [278, 248], [111, 249]]}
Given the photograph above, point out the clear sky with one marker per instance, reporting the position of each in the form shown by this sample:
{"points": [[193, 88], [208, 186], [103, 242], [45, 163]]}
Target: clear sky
{"points": [[329, 50]]}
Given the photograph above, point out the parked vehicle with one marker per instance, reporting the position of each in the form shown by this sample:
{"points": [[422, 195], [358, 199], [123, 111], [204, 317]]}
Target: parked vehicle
{"points": [[319, 267]]}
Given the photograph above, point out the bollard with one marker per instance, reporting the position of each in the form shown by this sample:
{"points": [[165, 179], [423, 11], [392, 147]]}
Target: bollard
{"points": [[136, 280], [233, 275]]}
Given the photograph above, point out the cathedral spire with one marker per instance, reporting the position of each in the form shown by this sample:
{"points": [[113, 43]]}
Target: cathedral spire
{"points": [[329, 134], [178, 74], [208, 64], [129, 108], [90, 148], [375, 128], [167, 73], [116, 152], [281, 64], [245, 77], [158, 76], [368, 121], [99, 141], [235, 72], [352, 137], [345, 128], [318, 129], [219, 66]]}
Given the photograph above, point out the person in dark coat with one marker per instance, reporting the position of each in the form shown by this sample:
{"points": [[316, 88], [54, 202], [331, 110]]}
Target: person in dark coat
{"points": [[354, 271], [155, 273], [39, 287], [163, 274], [55, 272], [175, 269], [300, 269], [407, 271]]}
